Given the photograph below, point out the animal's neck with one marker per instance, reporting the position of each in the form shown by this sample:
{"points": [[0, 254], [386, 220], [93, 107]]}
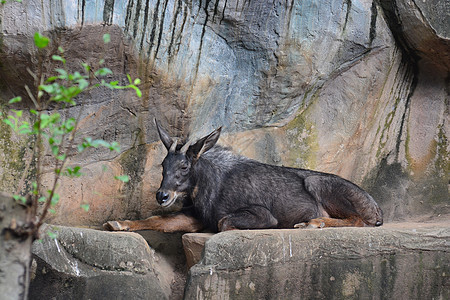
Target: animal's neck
{"points": [[208, 173]]}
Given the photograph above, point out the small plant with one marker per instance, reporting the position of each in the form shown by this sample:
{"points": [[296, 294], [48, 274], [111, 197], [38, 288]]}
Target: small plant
{"points": [[52, 133]]}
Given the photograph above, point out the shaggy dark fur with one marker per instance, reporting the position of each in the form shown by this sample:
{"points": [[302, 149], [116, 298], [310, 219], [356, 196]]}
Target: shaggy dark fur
{"points": [[226, 191]]}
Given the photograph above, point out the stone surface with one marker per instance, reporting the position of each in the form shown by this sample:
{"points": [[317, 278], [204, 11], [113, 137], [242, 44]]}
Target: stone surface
{"points": [[422, 27], [347, 87], [90, 264], [14, 250], [390, 262], [193, 244]]}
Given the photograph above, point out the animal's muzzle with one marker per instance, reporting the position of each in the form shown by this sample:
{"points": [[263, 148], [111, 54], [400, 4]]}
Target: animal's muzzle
{"points": [[166, 198], [162, 197]]}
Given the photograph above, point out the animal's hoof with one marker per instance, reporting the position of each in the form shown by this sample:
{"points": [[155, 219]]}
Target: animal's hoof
{"points": [[379, 223], [301, 225], [114, 226]]}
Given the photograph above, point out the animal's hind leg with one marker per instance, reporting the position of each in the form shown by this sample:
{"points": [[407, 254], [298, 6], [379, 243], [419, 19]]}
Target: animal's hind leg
{"points": [[331, 222], [253, 217], [343, 199]]}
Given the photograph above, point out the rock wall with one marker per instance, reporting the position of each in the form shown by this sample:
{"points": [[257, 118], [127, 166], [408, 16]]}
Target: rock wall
{"points": [[358, 88]]}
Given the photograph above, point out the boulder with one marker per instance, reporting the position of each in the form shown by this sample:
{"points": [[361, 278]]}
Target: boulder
{"points": [[90, 264], [407, 261]]}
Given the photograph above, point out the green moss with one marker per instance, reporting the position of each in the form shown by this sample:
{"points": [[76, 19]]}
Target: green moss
{"points": [[384, 131], [12, 155], [442, 163], [302, 138]]}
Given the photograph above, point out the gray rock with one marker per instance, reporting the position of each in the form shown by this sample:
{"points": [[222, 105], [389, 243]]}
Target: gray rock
{"points": [[14, 250], [348, 87], [90, 264], [407, 262], [422, 28]]}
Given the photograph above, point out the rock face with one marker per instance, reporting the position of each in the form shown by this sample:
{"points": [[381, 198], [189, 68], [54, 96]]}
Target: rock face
{"points": [[90, 264], [334, 263], [349, 87], [14, 250], [358, 88]]}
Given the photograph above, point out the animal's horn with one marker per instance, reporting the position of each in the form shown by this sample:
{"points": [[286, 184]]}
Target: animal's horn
{"points": [[173, 147], [185, 147]]}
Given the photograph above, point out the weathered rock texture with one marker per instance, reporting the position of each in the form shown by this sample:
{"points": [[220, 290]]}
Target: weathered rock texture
{"points": [[335, 263], [90, 264], [193, 244], [350, 87], [14, 250]]}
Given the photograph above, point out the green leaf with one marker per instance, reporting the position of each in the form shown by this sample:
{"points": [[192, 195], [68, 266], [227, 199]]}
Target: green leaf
{"points": [[42, 199], [83, 84], [138, 91], [48, 88], [51, 234], [73, 172], [17, 112], [86, 67], [25, 128], [60, 49], [9, 123], [40, 41], [85, 207], [63, 74], [55, 199], [20, 198], [137, 81], [106, 38], [102, 143], [15, 100], [51, 79], [69, 124], [61, 157], [114, 147], [51, 210], [103, 72], [123, 178], [58, 58]]}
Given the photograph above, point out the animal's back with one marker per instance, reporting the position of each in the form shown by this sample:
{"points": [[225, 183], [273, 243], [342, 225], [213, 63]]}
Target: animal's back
{"points": [[281, 190], [291, 195]]}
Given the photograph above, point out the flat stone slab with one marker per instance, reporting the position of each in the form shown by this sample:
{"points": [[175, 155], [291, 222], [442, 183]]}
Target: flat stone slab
{"points": [[396, 261]]}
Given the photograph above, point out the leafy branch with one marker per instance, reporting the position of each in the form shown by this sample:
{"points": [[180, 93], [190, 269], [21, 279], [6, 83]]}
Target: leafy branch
{"points": [[50, 129]]}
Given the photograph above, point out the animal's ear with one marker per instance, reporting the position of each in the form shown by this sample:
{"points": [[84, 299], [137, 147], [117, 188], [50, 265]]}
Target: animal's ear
{"points": [[164, 136], [202, 145]]}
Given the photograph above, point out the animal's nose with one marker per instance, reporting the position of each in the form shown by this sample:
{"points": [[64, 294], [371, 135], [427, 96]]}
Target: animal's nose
{"points": [[162, 196]]}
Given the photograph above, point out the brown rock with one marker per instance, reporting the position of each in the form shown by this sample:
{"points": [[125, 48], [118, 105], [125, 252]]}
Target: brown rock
{"points": [[193, 244]]}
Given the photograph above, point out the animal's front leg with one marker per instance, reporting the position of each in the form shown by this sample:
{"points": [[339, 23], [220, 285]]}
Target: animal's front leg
{"points": [[167, 223], [253, 217]]}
